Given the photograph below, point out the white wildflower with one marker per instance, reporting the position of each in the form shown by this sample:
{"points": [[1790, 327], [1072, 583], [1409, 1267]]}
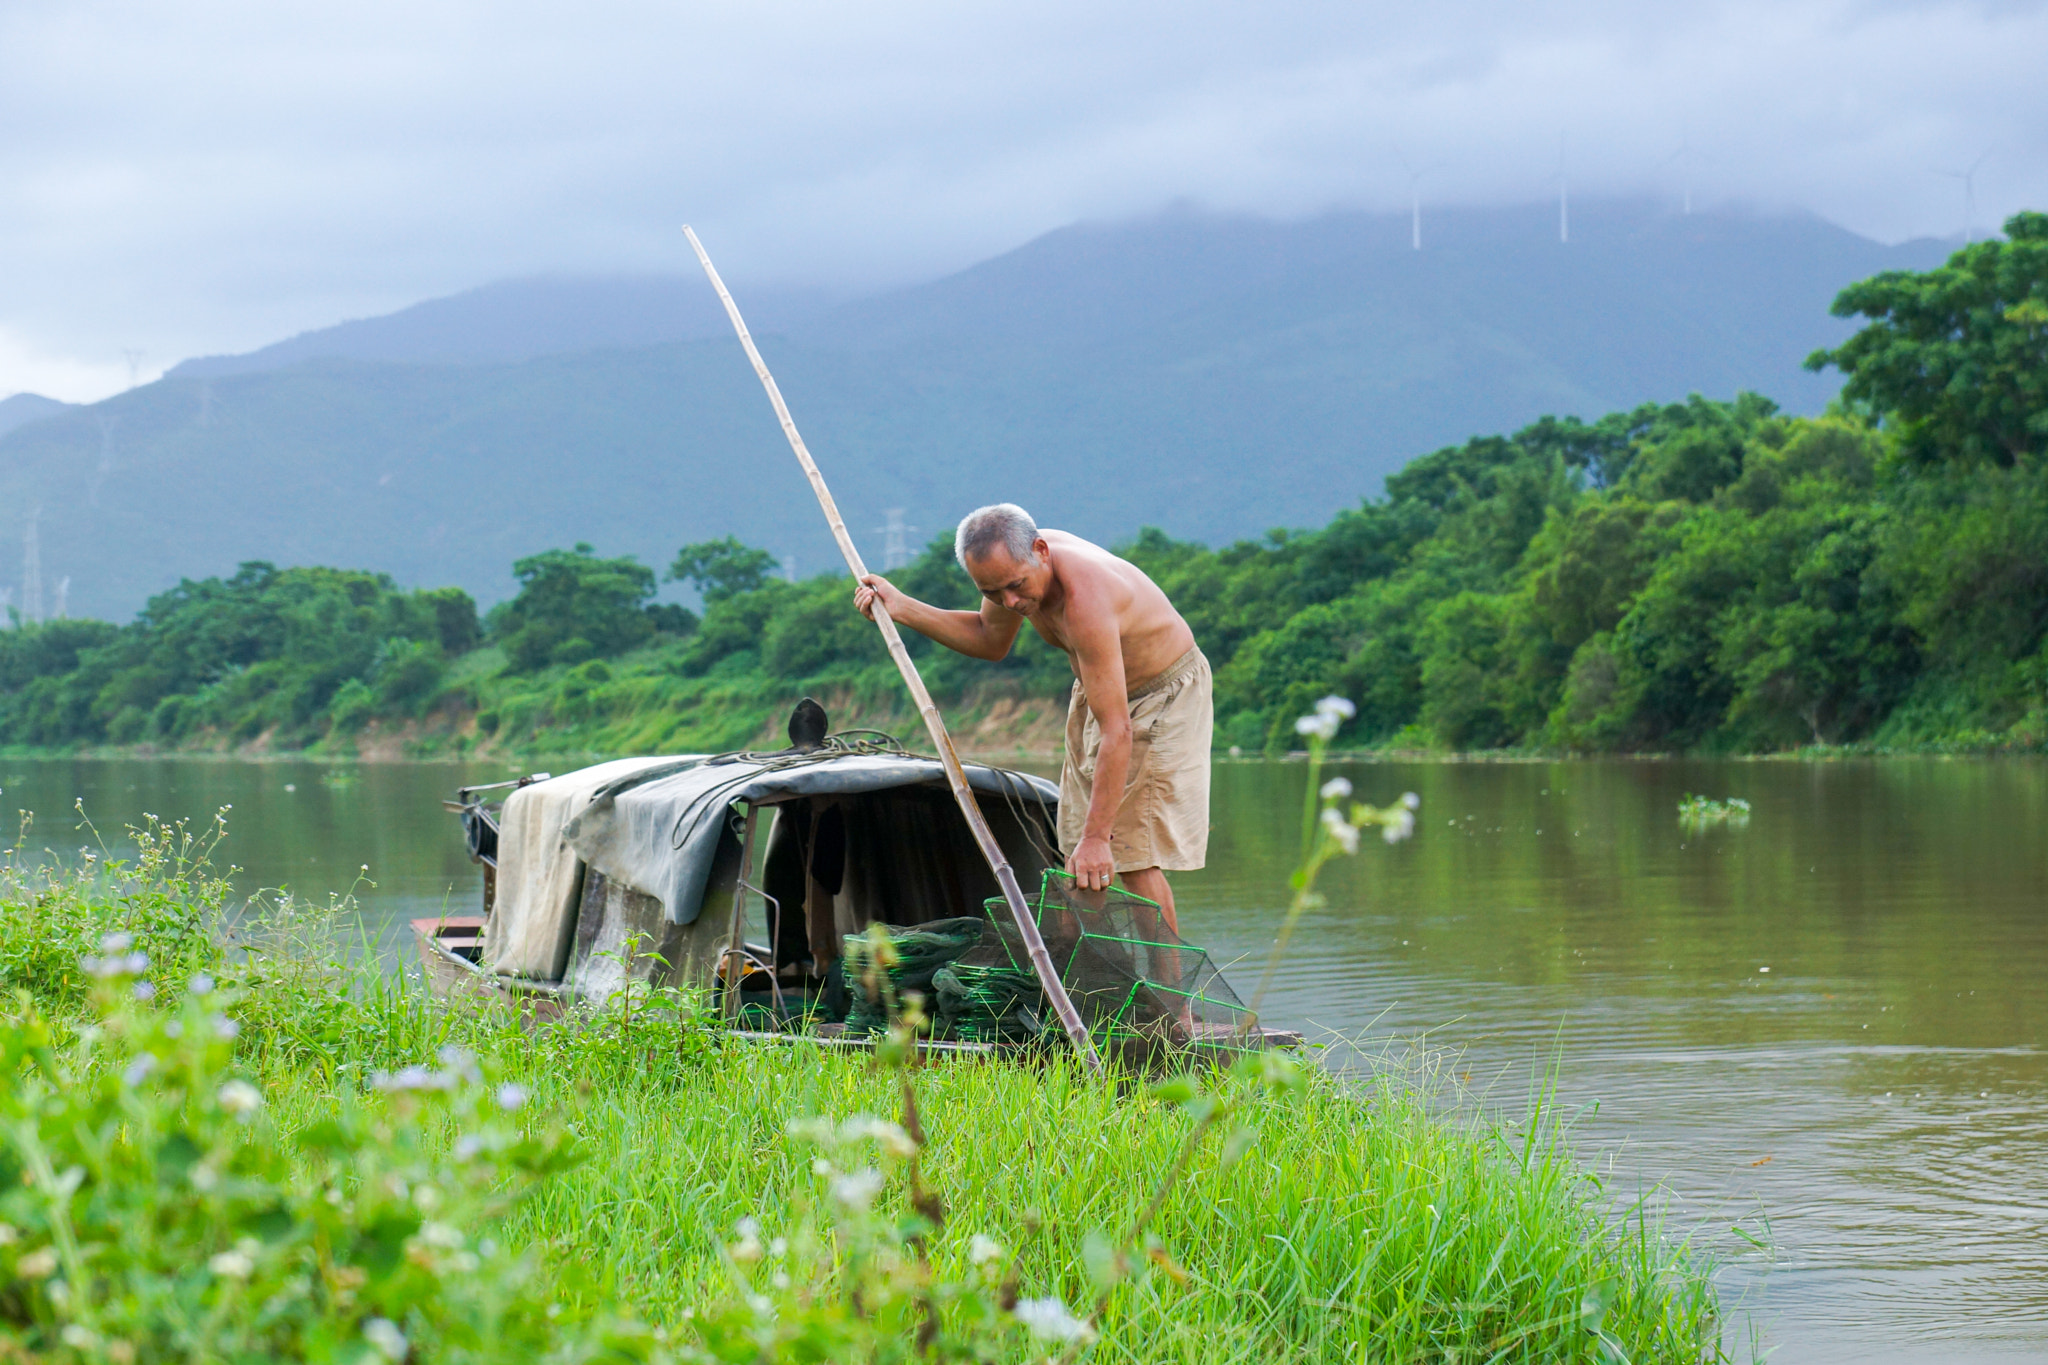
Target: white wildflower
{"points": [[1048, 1318], [981, 1249], [442, 1235], [37, 1265], [1411, 800], [1340, 829], [135, 964], [224, 1027], [240, 1097], [116, 943], [511, 1096], [231, 1265], [746, 1247], [821, 1167], [8, 1236], [79, 1337], [1321, 726], [408, 1078], [856, 1190], [1336, 789], [813, 1129], [467, 1146], [892, 1138], [202, 984], [426, 1198], [779, 1247], [461, 1064], [135, 1071], [383, 1334], [144, 991]]}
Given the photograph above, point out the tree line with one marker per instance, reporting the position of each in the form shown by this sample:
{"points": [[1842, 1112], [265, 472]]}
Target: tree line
{"points": [[1706, 575]]}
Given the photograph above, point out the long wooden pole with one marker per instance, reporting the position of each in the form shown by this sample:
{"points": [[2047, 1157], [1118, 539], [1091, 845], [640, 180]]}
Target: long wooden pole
{"points": [[934, 725]]}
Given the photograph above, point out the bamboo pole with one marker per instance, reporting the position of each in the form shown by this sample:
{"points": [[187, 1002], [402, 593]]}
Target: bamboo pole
{"points": [[935, 726]]}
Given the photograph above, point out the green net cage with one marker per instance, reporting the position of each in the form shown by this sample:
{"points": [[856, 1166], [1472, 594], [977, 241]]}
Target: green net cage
{"points": [[1130, 976]]}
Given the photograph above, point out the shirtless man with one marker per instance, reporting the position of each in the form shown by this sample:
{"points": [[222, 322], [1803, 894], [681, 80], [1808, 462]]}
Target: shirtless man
{"points": [[1134, 789]]}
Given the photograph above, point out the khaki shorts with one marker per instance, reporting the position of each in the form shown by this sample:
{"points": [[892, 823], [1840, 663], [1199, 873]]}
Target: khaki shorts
{"points": [[1163, 819]]}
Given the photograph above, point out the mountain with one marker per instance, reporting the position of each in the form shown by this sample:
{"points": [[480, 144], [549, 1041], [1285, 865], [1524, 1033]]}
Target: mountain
{"points": [[23, 408], [516, 320], [1211, 375]]}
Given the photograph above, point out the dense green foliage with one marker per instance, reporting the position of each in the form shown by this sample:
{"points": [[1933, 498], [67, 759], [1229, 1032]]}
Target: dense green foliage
{"points": [[574, 606], [294, 653], [1699, 575], [264, 1150], [1959, 354]]}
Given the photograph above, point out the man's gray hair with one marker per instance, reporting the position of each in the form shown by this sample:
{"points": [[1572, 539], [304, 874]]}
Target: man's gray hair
{"points": [[1003, 523]]}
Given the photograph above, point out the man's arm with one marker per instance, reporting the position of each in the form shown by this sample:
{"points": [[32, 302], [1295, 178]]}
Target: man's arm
{"points": [[986, 634], [1099, 658]]}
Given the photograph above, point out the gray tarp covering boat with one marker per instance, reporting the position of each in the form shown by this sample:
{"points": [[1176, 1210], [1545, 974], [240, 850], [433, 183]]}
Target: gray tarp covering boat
{"points": [[658, 831], [661, 827]]}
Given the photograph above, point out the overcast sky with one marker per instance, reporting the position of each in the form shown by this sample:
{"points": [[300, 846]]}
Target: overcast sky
{"points": [[207, 176]]}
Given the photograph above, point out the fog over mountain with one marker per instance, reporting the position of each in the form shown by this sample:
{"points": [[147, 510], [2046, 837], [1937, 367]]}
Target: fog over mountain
{"points": [[1214, 375]]}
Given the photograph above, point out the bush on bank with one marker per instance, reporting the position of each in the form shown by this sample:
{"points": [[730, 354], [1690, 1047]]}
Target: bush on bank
{"points": [[236, 1145]]}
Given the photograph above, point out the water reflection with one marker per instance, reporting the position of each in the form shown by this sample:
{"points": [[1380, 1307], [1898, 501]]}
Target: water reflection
{"points": [[1872, 1104]]}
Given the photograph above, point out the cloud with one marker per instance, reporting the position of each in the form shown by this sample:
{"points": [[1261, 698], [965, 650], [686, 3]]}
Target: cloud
{"points": [[212, 176], [25, 369]]}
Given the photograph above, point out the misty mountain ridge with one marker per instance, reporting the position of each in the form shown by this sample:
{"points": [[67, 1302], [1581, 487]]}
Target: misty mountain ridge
{"points": [[1213, 375], [522, 319], [23, 408]]}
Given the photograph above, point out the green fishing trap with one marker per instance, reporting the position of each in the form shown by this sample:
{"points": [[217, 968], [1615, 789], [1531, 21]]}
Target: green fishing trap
{"points": [[1129, 975]]}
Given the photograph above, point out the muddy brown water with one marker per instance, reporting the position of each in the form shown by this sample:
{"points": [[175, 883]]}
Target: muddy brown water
{"points": [[1822, 1032]]}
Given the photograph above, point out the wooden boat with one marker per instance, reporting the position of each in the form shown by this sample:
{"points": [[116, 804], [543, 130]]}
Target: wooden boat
{"points": [[744, 874]]}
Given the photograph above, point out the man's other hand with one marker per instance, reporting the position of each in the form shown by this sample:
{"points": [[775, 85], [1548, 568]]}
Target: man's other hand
{"points": [[1091, 864], [875, 588]]}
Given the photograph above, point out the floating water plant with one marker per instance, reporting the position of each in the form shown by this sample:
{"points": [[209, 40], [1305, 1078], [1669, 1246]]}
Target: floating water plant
{"points": [[1705, 810]]}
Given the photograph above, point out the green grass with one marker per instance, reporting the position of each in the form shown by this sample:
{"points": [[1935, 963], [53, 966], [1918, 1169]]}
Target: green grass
{"points": [[1364, 1221]]}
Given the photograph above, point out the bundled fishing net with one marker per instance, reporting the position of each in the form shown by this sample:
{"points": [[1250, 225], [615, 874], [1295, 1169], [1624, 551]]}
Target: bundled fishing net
{"points": [[1130, 976], [988, 1003], [920, 951]]}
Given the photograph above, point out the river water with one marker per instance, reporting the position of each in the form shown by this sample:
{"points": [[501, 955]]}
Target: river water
{"points": [[1822, 1032]]}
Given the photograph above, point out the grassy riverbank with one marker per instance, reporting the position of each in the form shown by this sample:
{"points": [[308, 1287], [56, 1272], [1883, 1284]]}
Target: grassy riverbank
{"points": [[1359, 1223]]}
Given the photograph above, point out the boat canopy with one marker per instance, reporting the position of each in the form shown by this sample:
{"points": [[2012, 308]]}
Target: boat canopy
{"points": [[656, 825]]}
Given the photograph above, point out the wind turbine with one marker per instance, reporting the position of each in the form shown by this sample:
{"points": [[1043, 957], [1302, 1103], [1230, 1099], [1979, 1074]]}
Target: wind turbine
{"points": [[1564, 212], [134, 359], [1686, 156], [1414, 196], [1969, 179]]}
